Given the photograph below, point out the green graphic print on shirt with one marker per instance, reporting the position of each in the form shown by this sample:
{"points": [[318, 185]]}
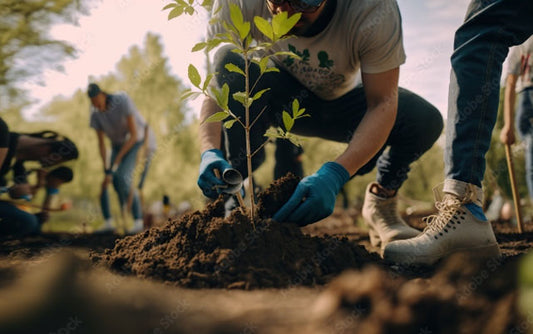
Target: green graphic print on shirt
{"points": [[322, 78]]}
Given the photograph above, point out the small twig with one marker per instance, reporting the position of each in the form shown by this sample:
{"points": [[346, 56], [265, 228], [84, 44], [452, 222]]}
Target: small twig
{"points": [[257, 118], [260, 147]]}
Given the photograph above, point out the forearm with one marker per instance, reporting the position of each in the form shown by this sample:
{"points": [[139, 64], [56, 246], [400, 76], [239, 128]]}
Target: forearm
{"points": [[369, 137], [103, 154], [509, 101], [123, 150], [210, 132]]}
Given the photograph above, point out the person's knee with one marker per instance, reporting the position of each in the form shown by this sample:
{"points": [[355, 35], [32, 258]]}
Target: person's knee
{"points": [[121, 181]]}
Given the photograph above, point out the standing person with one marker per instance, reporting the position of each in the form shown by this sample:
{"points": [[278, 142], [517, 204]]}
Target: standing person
{"points": [[481, 46], [115, 116], [48, 149], [337, 40], [519, 83]]}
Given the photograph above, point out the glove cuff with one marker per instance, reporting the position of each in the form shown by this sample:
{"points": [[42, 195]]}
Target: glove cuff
{"points": [[214, 151], [335, 169]]}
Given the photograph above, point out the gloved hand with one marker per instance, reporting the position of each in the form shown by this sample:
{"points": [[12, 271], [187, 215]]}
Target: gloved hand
{"points": [[314, 197], [211, 160]]}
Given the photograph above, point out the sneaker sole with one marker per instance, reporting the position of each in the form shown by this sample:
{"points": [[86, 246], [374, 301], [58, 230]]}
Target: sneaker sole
{"points": [[480, 253]]}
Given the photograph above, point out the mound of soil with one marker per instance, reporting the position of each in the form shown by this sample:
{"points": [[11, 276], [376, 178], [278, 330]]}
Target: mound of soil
{"points": [[464, 296], [205, 250]]}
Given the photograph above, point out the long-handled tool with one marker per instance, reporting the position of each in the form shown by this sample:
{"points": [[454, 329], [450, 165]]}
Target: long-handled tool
{"points": [[516, 196], [63, 207]]}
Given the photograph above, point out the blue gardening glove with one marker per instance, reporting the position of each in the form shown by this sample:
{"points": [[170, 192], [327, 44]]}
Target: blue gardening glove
{"points": [[211, 160], [314, 197]]}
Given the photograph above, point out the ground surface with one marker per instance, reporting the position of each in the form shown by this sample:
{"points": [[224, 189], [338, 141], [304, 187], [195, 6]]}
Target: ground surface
{"points": [[48, 284], [204, 273]]}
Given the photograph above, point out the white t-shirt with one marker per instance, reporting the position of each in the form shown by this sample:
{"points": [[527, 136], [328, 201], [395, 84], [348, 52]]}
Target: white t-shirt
{"points": [[520, 63], [113, 121], [362, 35]]}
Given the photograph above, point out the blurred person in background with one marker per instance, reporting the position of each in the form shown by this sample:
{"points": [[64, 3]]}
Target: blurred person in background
{"points": [[48, 149], [115, 116]]}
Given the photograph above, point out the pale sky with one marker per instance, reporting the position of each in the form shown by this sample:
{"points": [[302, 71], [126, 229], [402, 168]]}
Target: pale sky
{"points": [[115, 25]]}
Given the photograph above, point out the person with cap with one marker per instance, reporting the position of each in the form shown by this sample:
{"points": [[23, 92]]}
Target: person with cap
{"points": [[48, 149], [337, 41], [481, 45], [115, 116]]}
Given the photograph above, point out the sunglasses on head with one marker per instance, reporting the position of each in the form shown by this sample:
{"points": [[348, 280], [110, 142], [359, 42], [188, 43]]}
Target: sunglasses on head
{"points": [[297, 5]]}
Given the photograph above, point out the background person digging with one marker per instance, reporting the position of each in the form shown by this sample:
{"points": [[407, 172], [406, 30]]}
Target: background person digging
{"points": [[49, 149], [115, 116], [337, 40]]}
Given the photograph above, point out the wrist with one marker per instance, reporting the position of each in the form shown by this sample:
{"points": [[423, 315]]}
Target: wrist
{"points": [[337, 172], [214, 151]]}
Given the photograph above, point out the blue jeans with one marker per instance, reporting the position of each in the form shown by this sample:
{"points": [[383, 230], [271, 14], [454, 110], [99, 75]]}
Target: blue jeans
{"points": [[524, 124], [418, 123], [14, 221], [122, 180], [481, 46]]}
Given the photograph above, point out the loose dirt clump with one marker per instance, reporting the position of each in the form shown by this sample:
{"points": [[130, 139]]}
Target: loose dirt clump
{"points": [[205, 250], [464, 296]]}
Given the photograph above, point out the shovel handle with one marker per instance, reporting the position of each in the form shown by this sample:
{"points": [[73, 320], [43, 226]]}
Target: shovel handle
{"points": [[516, 196]]}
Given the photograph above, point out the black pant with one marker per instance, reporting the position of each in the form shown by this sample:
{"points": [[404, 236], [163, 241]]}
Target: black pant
{"points": [[418, 123]]}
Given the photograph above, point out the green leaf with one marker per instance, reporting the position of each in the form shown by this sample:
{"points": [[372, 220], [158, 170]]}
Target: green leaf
{"points": [[217, 117], [258, 95], [200, 46], [188, 94], [234, 68], [230, 123], [243, 99], [272, 69], [287, 53], [301, 112], [211, 44], [243, 28], [191, 2], [194, 76], [293, 139], [224, 96], [288, 122], [190, 10], [208, 81], [264, 27], [170, 5], [295, 107], [282, 24], [263, 64], [175, 13], [274, 133]]}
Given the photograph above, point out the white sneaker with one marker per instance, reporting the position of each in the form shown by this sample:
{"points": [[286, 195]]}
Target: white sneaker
{"points": [[453, 229], [382, 218], [138, 226], [106, 228]]}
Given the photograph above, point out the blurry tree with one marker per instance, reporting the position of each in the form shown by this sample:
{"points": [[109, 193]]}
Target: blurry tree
{"points": [[25, 45]]}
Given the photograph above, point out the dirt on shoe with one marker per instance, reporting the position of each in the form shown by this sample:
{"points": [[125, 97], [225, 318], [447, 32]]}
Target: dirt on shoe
{"points": [[205, 250]]}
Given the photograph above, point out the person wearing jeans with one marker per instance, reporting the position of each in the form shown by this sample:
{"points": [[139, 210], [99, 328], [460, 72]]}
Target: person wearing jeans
{"points": [[115, 116], [481, 45], [382, 124], [519, 84]]}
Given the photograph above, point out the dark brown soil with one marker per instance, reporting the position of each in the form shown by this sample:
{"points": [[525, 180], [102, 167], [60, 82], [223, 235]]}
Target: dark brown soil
{"points": [[206, 250]]}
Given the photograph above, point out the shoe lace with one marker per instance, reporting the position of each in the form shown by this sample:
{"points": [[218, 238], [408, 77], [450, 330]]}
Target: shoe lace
{"points": [[447, 209]]}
